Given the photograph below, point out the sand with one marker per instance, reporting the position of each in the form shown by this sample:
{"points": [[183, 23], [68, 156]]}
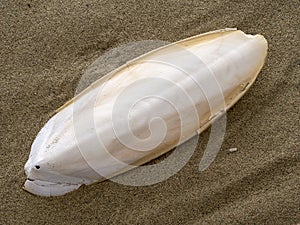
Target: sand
{"points": [[46, 47]]}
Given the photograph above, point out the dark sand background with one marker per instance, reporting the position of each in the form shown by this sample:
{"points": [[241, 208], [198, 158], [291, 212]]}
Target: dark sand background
{"points": [[45, 48]]}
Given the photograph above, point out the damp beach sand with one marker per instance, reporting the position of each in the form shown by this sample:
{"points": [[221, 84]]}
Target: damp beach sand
{"points": [[47, 46]]}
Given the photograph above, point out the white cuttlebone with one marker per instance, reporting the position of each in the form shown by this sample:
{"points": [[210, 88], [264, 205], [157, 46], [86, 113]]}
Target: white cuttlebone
{"points": [[67, 153]]}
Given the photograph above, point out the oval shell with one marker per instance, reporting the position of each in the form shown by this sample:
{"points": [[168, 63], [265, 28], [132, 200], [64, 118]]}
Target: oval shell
{"points": [[143, 109]]}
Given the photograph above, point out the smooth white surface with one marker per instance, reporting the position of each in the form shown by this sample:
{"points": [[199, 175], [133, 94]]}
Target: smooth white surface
{"points": [[89, 139]]}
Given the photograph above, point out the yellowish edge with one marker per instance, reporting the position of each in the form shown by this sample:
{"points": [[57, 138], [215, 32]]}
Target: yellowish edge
{"points": [[103, 79]]}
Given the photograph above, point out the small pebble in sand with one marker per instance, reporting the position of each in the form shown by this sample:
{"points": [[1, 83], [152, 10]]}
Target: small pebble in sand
{"points": [[232, 149]]}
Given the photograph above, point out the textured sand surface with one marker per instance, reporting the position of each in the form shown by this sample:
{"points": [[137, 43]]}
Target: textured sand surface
{"points": [[46, 46]]}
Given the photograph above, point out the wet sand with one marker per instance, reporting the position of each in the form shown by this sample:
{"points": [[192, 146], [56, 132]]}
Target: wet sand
{"points": [[45, 49]]}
